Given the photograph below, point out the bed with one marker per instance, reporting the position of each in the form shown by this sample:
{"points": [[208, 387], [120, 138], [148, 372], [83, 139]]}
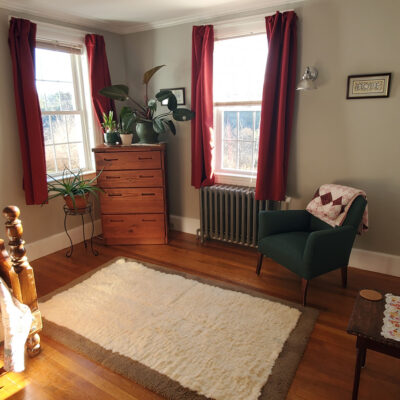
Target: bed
{"points": [[18, 275]]}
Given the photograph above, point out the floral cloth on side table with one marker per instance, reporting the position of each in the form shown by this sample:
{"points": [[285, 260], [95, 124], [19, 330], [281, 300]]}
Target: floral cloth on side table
{"points": [[391, 320]]}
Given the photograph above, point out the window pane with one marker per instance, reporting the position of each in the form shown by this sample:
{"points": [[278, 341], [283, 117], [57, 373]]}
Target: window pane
{"points": [[59, 128], [239, 68], [67, 96], [62, 156], [48, 138], [53, 66], [257, 126], [255, 161], [230, 125], [56, 96], [230, 154], [77, 156], [74, 127], [50, 161], [245, 155], [49, 96], [246, 125]]}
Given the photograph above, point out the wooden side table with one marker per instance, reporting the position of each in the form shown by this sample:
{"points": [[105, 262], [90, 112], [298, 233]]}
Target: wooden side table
{"points": [[366, 323]]}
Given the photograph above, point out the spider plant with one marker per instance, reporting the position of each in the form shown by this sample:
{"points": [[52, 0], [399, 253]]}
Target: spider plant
{"points": [[72, 185]]}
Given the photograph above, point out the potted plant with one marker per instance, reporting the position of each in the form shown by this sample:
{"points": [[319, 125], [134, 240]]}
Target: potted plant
{"points": [[110, 128], [74, 189], [148, 123], [125, 127]]}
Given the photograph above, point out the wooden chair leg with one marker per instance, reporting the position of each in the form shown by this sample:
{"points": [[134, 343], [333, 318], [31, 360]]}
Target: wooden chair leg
{"points": [[344, 276], [259, 263], [33, 345], [304, 287]]}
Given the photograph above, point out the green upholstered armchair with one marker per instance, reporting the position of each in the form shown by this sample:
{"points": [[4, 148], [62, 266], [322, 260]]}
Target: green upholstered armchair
{"points": [[306, 245]]}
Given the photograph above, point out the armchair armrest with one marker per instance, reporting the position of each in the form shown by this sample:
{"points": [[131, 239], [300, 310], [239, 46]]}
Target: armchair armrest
{"points": [[329, 248], [273, 222]]}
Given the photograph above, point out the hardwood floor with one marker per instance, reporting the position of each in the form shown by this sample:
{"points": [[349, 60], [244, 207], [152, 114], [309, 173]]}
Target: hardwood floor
{"points": [[325, 372]]}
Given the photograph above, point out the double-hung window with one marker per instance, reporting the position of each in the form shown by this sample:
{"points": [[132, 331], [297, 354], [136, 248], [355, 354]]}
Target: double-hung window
{"points": [[66, 113], [239, 69]]}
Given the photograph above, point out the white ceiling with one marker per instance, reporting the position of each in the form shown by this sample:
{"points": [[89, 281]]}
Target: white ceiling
{"points": [[127, 16]]}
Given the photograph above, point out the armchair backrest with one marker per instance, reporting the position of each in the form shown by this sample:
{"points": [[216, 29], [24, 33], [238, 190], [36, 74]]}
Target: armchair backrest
{"points": [[355, 214], [353, 217]]}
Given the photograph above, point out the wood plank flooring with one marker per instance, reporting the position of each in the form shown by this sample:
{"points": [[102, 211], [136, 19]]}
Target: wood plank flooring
{"points": [[325, 372]]}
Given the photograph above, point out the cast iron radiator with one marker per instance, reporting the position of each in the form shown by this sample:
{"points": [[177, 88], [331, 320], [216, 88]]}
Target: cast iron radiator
{"points": [[230, 213]]}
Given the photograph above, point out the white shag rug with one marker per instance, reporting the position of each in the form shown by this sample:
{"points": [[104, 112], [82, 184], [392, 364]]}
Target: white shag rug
{"points": [[219, 343]]}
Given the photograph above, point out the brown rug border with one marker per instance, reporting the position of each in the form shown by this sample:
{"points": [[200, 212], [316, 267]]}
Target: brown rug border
{"points": [[276, 387]]}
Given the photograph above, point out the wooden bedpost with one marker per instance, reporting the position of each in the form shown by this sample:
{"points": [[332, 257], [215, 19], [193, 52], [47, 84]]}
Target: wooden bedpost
{"points": [[24, 288]]}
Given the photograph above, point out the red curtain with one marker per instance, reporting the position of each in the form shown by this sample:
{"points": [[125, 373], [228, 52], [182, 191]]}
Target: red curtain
{"points": [[277, 106], [202, 105], [22, 43], [99, 75]]}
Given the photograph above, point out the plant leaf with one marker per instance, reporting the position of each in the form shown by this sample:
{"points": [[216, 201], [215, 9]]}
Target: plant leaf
{"points": [[158, 125], [163, 94], [148, 74], [152, 104], [116, 92], [172, 103], [171, 126], [183, 114]]}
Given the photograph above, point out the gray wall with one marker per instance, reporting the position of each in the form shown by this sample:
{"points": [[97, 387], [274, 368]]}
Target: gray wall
{"points": [[351, 142], [39, 221]]}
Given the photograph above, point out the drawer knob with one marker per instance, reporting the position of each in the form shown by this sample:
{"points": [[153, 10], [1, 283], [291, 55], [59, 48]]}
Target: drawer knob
{"points": [[114, 194], [113, 177], [116, 220], [146, 176], [110, 159], [145, 158], [148, 194]]}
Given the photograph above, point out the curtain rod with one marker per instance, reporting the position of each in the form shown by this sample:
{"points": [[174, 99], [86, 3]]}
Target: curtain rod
{"points": [[249, 18], [53, 24]]}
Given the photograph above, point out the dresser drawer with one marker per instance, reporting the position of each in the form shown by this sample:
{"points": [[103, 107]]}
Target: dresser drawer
{"points": [[128, 160], [137, 178], [139, 200], [134, 229]]}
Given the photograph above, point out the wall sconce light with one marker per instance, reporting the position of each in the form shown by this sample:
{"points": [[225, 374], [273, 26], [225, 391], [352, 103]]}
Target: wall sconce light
{"points": [[308, 80]]}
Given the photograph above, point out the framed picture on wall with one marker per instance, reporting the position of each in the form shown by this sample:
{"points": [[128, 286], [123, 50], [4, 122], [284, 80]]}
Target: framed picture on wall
{"points": [[179, 94], [368, 86]]}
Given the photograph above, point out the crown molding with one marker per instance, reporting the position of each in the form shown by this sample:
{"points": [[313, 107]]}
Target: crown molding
{"points": [[213, 17], [124, 28], [57, 16]]}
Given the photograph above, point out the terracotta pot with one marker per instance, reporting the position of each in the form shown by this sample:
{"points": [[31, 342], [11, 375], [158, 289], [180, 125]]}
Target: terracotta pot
{"points": [[80, 202]]}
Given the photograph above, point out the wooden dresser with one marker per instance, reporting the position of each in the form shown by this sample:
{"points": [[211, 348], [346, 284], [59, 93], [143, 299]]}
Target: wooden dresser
{"points": [[134, 202]]}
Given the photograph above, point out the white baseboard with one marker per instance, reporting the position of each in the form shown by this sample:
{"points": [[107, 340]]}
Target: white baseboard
{"points": [[59, 241], [377, 262], [183, 224], [363, 259]]}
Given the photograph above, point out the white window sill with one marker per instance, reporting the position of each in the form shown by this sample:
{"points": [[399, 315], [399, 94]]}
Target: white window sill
{"points": [[235, 179]]}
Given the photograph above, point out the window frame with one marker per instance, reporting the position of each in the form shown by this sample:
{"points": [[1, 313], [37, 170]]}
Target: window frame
{"points": [[69, 38], [242, 176], [224, 175]]}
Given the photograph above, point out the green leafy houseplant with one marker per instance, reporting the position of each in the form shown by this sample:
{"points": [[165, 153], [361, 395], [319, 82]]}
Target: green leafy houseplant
{"points": [[110, 128], [73, 188], [148, 123]]}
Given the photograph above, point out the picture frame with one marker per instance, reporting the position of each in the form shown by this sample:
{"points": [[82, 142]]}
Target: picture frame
{"points": [[179, 94], [368, 86]]}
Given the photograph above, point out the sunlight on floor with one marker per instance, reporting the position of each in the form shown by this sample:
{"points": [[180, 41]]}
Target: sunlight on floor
{"points": [[10, 382]]}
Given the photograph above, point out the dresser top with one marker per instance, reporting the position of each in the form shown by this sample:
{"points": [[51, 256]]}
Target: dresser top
{"points": [[133, 147]]}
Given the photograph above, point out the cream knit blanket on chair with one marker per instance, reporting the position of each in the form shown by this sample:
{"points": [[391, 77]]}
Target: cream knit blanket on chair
{"points": [[17, 321]]}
